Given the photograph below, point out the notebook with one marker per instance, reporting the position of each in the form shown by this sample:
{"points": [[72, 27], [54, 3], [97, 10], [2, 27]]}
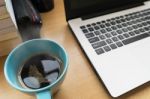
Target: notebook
{"points": [[114, 35]]}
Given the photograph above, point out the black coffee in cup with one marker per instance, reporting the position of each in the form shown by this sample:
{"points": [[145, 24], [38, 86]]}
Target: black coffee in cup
{"points": [[39, 71]]}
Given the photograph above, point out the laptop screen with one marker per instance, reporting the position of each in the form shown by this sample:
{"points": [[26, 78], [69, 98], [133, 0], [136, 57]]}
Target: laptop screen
{"points": [[77, 8]]}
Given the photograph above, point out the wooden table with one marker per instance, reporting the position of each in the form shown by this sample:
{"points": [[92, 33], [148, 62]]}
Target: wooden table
{"points": [[81, 81]]}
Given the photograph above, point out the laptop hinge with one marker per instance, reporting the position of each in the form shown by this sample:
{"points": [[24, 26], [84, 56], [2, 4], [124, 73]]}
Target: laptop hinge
{"points": [[111, 10]]}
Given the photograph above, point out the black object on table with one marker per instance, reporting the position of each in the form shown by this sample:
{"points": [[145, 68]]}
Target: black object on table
{"points": [[28, 19], [43, 5]]}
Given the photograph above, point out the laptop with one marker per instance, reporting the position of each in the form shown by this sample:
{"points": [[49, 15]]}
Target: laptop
{"points": [[114, 34]]}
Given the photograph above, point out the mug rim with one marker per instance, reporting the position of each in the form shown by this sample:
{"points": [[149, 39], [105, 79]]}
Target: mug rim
{"points": [[40, 89]]}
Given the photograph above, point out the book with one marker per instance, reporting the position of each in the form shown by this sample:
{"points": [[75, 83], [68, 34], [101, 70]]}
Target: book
{"points": [[7, 45], [3, 12], [8, 29], [6, 22], [10, 10], [7, 36], [2, 2]]}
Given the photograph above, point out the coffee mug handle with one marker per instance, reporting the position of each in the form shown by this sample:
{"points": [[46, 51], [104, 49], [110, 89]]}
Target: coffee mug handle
{"points": [[44, 95]]}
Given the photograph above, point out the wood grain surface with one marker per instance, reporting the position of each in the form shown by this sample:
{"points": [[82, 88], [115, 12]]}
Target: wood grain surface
{"points": [[81, 81]]}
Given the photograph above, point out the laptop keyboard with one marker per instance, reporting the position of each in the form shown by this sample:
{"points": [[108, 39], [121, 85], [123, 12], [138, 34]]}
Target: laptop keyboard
{"points": [[113, 33]]}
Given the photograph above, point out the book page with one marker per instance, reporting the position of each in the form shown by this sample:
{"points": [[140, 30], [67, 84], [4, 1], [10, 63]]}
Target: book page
{"points": [[11, 11], [3, 13], [2, 2]]}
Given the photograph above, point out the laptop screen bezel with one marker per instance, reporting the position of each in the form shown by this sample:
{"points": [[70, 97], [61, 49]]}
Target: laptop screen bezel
{"points": [[71, 14]]}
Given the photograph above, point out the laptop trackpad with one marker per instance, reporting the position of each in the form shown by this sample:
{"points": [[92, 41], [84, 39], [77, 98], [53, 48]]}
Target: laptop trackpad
{"points": [[127, 67]]}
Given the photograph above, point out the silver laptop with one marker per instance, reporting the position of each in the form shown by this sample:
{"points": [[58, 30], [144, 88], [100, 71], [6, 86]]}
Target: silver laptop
{"points": [[114, 35]]}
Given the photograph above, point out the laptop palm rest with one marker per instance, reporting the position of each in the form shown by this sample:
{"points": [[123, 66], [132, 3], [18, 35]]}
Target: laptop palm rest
{"points": [[125, 68]]}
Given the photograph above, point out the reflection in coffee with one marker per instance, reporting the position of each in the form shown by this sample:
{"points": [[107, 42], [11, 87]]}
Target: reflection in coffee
{"points": [[40, 71]]}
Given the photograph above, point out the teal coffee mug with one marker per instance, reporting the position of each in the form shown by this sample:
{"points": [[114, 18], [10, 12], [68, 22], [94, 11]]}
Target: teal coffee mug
{"points": [[22, 53]]}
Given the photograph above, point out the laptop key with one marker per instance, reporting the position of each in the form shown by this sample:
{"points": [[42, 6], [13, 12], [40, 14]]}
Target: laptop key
{"points": [[108, 24], [98, 22], [135, 26], [129, 23], [124, 24], [97, 32], [93, 24], [125, 30], [102, 26], [136, 38], [114, 27], [131, 33], [103, 31], [146, 28], [85, 31], [113, 33], [120, 37], [130, 28], [137, 32], [140, 25], [144, 23], [128, 18], [117, 17], [89, 35], [96, 28], [108, 35], [99, 44], [119, 26], [103, 21], [102, 37], [126, 35], [121, 16], [91, 29], [119, 44], [142, 30], [82, 27], [148, 22], [112, 23], [138, 20], [134, 22], [115, 39], [118, 21], [113, 46], [108, 29], [123, 20], [108, 20], [88, 25], [92, 40], [113, 19], [109, 41], [99, 51], [107, 48], [147, 18], [143, 19], [119, 31]]}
